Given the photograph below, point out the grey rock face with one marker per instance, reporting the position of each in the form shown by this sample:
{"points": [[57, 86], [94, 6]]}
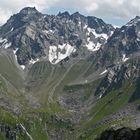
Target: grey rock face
{"points": [[119, 74], [126, 40], [32, 33]]}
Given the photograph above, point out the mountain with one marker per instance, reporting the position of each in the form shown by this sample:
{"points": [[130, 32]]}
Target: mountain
{"points": [[125, 40], [67, 76], [36, 36]]}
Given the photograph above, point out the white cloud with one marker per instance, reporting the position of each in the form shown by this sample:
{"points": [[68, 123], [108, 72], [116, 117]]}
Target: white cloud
{"points": [[122, 9], [93, 7], [9, 7]]}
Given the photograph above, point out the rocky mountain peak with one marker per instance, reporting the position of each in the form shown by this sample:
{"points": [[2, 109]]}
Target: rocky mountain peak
{"points": [[34, 35], [64, 14], [25, 17], [126, 40], [29, 14], [77, 14], [134, 21], [78, 18], [29, 10]]}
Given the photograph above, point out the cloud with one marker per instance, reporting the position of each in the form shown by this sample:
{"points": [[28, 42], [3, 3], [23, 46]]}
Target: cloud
{"points": [[115, 9], [104, 8], [10, 7]]}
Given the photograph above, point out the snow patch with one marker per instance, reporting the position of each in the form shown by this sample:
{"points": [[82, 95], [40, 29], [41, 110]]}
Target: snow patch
{"points": [[124, 59], [51, 31], [105, 71], [22, 66], [11, 29], [90, 30], [56, 54], [45, 31], [111, 33], [32, 61], [3, 40], [52, 53], [100, 96], [15, 51], [48, 31], [116, 26], [4, 43], [91, 46], [85, 27], [79, 23], [7, 45]]}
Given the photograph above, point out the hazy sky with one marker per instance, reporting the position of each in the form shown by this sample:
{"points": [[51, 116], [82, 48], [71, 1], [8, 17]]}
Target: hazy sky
{"points": [[117, 12]]}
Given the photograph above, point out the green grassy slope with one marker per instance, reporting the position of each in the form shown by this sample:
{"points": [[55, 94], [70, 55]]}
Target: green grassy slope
{"points": [[51, 97]]}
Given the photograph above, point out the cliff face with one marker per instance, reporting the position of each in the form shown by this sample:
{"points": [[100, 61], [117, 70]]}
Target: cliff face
{"points": [[33, 35]]}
